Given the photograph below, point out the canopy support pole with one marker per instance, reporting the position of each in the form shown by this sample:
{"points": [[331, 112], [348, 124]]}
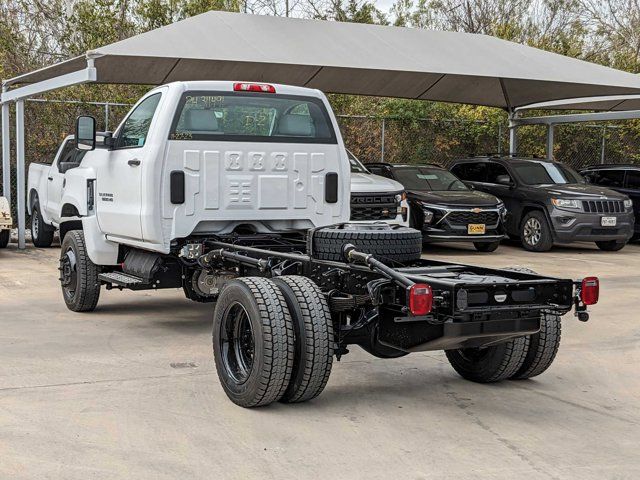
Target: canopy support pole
{"points": [[550, 141], [6, 154], [513, 133], [20, 177]]}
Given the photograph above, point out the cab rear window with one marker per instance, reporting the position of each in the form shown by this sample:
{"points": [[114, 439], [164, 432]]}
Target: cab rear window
{"points": [[251, 117]]}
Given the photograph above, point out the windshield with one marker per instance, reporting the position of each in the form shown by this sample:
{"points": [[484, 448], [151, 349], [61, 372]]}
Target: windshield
{"points": [[356, 166], [432, 179], [545, 173], [247, 117]]}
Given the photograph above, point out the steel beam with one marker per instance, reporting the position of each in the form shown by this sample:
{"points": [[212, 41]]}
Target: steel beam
{"points": [[550, 141], [576, 118], [6, 153], [20, 176], [74, 78]]}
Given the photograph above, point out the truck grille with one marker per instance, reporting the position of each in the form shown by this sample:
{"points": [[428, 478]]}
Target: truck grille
{"points": [[373, 206], [464, 218], [603, 206]]}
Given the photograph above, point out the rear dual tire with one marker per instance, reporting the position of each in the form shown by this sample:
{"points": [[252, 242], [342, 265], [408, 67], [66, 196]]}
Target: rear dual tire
{"points": [[272, 340], [519, 358]]}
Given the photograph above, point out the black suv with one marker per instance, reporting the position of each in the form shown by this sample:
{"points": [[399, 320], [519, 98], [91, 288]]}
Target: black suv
{"points": [[444, 208], [621, 178], [549, 202]]}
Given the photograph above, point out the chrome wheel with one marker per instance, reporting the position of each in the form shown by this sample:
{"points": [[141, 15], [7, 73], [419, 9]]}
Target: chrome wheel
{"points": [[532, 231]]}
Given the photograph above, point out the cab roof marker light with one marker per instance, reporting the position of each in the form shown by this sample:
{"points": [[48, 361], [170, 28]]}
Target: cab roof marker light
{"points": [[254, 87]]}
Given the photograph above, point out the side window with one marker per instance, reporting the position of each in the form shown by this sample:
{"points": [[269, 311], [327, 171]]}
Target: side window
{"points": [[471, 172], [133, 133], [495, 170], [609, 178], [67, 152], [633, 180]]}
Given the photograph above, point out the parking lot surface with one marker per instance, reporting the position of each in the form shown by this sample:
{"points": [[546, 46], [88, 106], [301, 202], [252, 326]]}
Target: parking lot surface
{"points": [[130, 391]]}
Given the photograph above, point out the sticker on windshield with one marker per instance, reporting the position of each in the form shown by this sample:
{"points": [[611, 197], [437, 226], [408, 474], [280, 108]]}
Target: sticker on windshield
{"points": [[423, 176]]}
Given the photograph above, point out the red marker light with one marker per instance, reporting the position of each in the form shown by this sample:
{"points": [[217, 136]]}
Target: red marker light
{"points": [[590, 290], [254, 87], [420, 299]]}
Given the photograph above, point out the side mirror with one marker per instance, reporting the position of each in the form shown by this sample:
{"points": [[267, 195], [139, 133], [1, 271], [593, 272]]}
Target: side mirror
{"points": [[85, 133], [504, 180]]}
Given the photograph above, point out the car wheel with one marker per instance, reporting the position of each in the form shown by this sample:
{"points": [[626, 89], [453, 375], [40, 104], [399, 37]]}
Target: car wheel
{"points": [[78, 274], [535, 232], [41, 233], [611, 245], [542, 349], [253, 341], [5, 235], [486, 246]]}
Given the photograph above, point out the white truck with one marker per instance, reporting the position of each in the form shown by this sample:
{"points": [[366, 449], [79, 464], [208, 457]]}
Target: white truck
{"points": [[6, 222], [238, 193]]}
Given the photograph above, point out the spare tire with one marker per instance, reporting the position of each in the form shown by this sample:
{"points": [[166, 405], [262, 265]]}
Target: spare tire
{"points": [[387, 243]]}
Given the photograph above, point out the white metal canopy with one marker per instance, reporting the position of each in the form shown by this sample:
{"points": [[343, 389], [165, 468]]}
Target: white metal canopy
{"points": [[331, 56]]}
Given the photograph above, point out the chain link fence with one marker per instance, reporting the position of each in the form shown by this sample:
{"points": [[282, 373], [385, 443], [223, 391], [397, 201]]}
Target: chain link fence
{"points": [[371, 139]]}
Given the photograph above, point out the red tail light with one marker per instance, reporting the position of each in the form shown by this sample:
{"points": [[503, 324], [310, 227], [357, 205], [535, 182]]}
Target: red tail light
{"points": [[254, 87], [590, 290], [420, 299]]}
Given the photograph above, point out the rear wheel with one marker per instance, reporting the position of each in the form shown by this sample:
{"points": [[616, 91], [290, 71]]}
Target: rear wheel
{"points": [[486, 246], [611, 245], [489, 364], [314, 344], [41, 233], [5, 235], [253, 341], [78, 274], [535, 232], [542, 349]]}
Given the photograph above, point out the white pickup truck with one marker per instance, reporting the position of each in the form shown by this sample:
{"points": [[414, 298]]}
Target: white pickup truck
{"points": [[238, 193]]}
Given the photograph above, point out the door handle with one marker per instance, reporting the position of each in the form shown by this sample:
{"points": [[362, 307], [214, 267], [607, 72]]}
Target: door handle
{"points": [[134, 162], [50, 179]]}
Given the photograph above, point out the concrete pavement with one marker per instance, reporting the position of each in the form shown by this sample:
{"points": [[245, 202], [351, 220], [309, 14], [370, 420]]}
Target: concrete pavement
{"points": [[130, 391]]}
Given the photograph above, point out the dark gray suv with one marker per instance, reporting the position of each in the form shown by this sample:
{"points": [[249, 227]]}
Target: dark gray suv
{"points": [[548, 202]]}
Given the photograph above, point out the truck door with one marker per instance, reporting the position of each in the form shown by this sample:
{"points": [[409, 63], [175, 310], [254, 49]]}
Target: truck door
{"points": [[55, 179], [119, 199]]}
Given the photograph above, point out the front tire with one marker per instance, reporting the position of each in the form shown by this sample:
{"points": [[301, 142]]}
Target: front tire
{"points": [[611, 245], [543, 347], [253, 341], [535, 232], [486, 247], [5, 236], [78, 274], [314, 344], [41, 233], [489, 364]]}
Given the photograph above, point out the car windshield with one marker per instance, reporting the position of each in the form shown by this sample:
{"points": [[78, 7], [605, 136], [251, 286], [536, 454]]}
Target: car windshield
{"points": [[356, 166], [432, 179], [545, 173]]}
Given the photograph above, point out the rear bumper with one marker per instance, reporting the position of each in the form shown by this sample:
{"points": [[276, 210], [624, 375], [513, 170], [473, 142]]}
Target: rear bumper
{"points": [[586, 227]]}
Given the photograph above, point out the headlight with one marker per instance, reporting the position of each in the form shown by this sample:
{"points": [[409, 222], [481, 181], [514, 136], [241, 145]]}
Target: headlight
{"points": [[564, 203], [628, 203], [401, 196]]}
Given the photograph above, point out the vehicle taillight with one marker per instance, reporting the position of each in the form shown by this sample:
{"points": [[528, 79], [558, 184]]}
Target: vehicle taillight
{"points": [[420, 299], [254, 87], [590, 290]]}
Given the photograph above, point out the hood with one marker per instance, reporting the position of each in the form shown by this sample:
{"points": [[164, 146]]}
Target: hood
{"points": [[581, 190], [370, 183], [471, 198]]}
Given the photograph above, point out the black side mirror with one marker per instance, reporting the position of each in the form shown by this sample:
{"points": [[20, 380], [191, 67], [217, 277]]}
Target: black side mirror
{"points": [[109, 140], [504, 180], [85, 133]]}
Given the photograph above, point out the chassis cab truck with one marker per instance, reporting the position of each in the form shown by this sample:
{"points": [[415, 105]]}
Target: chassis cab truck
{"points": [[238, 193]]}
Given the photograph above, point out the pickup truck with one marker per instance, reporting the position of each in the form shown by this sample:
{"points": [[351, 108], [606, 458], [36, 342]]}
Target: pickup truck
{"points": [[238, 193]]}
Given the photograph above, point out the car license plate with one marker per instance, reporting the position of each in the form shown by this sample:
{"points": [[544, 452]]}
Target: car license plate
{"points": [[608, 221], [476, 229]]}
